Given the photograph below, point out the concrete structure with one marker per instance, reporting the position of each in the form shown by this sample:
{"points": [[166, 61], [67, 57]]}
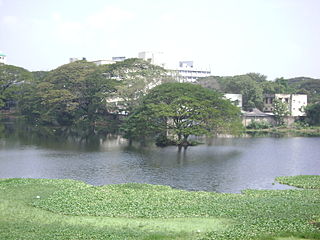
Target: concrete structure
{"points": [[235, 98], [186, 72], [73, 59], [257, 116], [296, 103], [118, 59], [155, 58], [103, 62], [3, 58]]}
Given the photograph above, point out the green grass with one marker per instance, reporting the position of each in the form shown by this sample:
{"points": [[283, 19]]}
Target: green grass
{"points": [[66, 209], [301, 181]]}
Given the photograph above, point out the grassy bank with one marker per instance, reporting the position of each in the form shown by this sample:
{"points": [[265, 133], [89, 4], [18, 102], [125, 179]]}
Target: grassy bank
{"points": [[66, 209], [286, 132]]}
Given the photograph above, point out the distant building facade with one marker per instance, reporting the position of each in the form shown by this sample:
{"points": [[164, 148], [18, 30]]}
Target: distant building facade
{"points": [[3, 58], [155, 58], [103, 62], [296, 103], [118, 59], [186, 72]]}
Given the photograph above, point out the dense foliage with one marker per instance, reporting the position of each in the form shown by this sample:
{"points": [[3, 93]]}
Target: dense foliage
{"points": [[252, 85], [179, 110], [280, 111], [301, 181], [65, 209], [12, 78], [81, 92], [313, 113]]}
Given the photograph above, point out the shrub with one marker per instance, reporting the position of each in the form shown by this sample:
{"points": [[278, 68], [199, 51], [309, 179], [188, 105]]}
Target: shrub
{"points": [[259, 125]]}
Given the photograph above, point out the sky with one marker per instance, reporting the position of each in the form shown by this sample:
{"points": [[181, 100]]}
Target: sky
{"points": [[276, 38]]}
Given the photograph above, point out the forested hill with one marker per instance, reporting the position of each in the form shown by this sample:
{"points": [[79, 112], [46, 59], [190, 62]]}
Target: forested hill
{"points": [[253, 85]]}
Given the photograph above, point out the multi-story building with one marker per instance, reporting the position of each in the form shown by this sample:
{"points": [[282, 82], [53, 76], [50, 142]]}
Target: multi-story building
{"points": [[296, 103], [103, 62], [3, 58], [119, 59], [186, 72], [155, 58]]}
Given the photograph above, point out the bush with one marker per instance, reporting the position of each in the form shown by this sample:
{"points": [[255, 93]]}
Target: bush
{"points": [[163, 141], [259, 125]]}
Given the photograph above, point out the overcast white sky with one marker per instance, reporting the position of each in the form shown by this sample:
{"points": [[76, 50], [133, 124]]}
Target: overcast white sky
{"points": [[277, 38]]}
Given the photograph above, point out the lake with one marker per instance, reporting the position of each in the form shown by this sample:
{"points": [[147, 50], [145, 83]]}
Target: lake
{"points": [[221, 165]]}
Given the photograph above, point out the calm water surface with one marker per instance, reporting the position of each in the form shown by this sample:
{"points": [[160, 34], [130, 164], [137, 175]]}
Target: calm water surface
{"points": [[223, 165]]}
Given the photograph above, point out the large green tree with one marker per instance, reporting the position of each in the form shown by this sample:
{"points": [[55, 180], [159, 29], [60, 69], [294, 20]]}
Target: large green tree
{"points": [[252, 92], [70, 94], [313, 114], [11, 79], [135, 77], [280, 111], [180, 110]]}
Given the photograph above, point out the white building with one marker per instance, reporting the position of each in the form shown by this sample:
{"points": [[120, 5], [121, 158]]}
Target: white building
{"points": [[118, 59], [103, 62], [155, 58], [296, 103], [3, 58], [186, 72]]}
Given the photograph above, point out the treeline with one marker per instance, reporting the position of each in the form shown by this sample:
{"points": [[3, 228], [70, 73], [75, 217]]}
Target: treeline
{"points": [[83, 93], [253, 86], [78, 92]]}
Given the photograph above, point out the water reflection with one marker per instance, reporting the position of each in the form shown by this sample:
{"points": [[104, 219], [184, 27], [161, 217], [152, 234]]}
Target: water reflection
{"points": [[223, 165]]}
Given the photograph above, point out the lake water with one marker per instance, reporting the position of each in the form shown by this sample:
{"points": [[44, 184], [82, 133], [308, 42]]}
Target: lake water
{"points": [[222, 165]]}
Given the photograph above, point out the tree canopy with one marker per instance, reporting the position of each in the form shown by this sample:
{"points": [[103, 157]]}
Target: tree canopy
{"points": [[71, 93], [179, 110], [11, 77], [135, 77]]}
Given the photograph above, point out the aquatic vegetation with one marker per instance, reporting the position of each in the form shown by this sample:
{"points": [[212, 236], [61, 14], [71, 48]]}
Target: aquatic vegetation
{"points": [[68, 209], [301, 181]]}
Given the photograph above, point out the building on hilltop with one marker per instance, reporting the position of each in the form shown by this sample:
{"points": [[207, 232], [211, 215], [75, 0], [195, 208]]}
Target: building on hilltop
{"points": [[3, 58], [155, 58], [103, 62], [186, 72], [119, 59], [296, 103]]}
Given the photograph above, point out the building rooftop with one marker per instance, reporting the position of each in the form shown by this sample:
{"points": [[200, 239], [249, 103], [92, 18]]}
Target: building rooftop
{"points": [[2, 55]]}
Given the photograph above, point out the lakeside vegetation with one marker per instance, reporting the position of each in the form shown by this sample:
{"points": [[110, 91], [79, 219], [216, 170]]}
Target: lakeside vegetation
{"points": [[283, 131], [67, 209], [121, 97]]}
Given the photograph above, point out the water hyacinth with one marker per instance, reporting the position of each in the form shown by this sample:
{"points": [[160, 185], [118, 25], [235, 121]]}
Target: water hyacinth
{"points": [[75, 210]]}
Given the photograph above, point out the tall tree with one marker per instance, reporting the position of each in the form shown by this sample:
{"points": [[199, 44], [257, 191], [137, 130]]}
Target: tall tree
{"points": [[11, 78], [181, 110], [135, 78], [313, 114], [251, 91], [280, 111], [70, 94]]}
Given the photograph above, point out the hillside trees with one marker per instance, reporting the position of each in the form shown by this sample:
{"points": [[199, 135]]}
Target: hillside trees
{"points": [[252, 93], [11, 79], [81, 92], [179, 110], [135, 77], [72, 93]]}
